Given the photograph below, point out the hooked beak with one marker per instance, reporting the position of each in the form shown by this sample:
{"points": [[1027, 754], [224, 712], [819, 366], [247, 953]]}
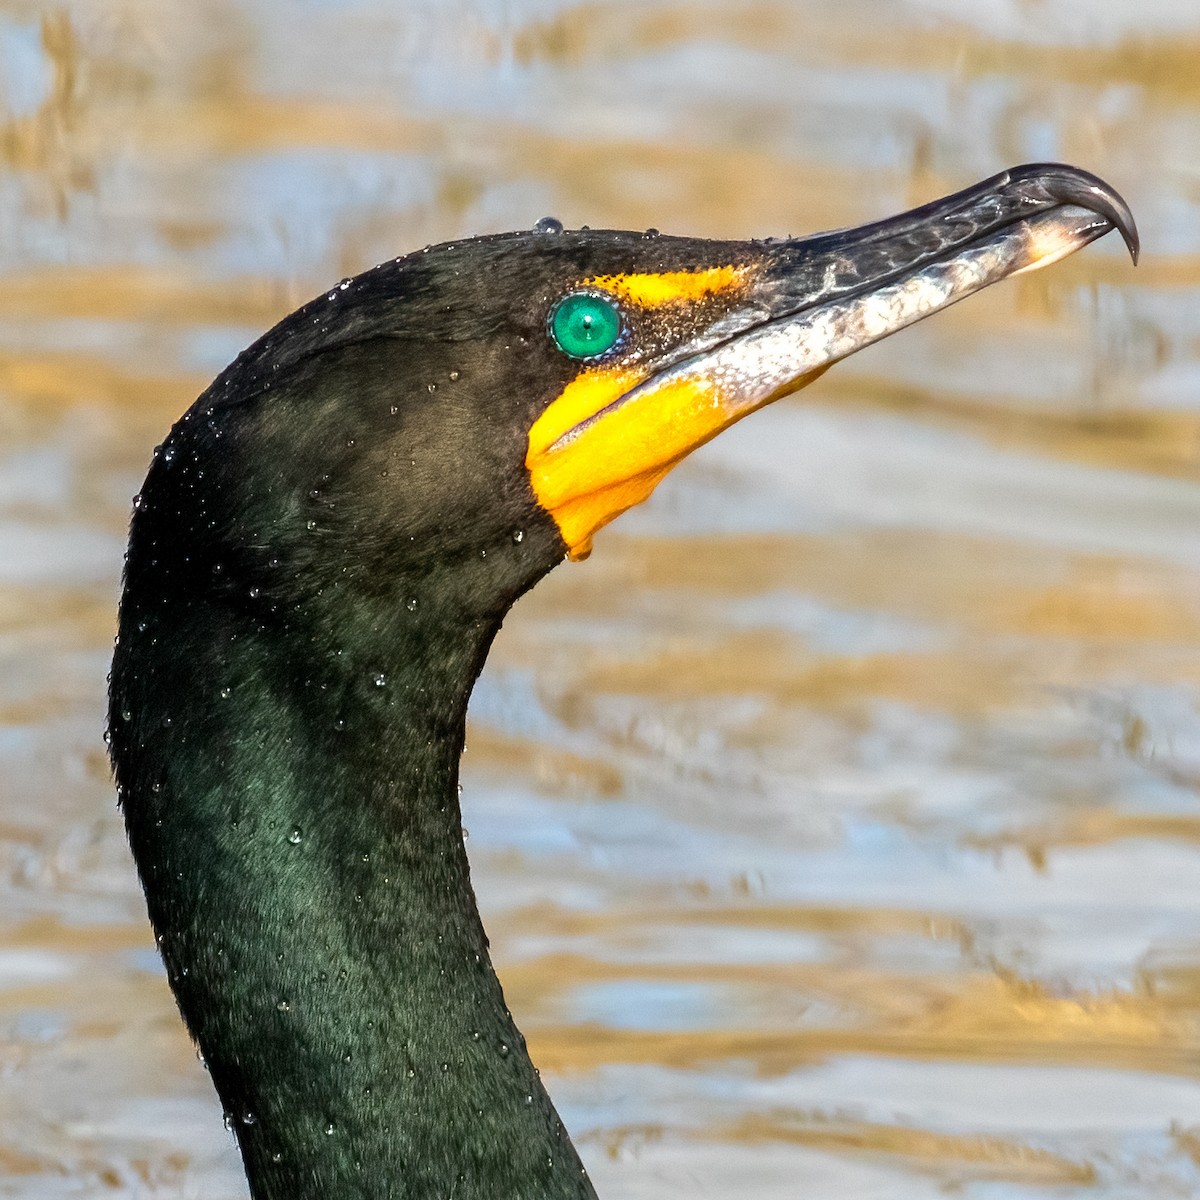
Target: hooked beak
{"points": [[797, 307]]}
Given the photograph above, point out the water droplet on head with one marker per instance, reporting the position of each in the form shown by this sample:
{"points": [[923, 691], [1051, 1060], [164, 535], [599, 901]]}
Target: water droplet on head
{"points": [[295, 835], [277, 1157], [453, 376], [518, 536], [395, 409], [650, 233], [503, 1049], [431, 387], [411, 604], [548, 225], [225, 693], [379, 679], [329, 1129], [284, 1006], [248, 1118]]}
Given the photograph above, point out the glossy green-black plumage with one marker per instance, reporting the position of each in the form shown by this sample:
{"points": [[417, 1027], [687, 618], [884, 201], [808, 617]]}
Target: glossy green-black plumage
{"points": [[321, 554]]}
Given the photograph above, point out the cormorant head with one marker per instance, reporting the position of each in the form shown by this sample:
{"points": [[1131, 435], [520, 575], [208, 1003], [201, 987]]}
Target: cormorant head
{"points": [[457, 421]]}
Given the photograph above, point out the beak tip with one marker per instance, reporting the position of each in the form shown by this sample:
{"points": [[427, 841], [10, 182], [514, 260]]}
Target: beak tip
{"points": [[1117, 211], [1132, 240], [1071, 185]]}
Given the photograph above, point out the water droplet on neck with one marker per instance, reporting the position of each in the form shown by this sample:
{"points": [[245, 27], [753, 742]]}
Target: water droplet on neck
{"points": [[411, 604], [248, 1118], [518, 536], [379, 679], [329, 1129], [295, 836], [453, 376], [284, 1006], [548, 225]]}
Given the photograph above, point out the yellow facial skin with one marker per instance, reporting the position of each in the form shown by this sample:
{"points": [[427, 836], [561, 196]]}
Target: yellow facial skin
{"points": [[617, 461], [670, 287], [586, 480]]}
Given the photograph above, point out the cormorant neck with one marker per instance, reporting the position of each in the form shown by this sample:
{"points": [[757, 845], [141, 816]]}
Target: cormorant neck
{"points": [[293, 806]]}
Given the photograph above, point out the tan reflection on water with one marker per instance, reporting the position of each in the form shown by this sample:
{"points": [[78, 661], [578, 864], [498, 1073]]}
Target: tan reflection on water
{"points": [[836, 823]]}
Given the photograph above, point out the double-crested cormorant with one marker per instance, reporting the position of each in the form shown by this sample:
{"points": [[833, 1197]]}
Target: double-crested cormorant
{"points": [[324, 548]]}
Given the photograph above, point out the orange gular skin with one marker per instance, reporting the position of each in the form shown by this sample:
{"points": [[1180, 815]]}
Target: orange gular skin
{"points": [[587, 479], [616, 461]]}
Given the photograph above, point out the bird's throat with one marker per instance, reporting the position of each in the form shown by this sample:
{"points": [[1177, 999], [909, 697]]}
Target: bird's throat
{"points": [[300, 839]]}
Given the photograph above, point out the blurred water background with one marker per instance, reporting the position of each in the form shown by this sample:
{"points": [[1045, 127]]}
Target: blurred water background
{"points": [[837, 823]]}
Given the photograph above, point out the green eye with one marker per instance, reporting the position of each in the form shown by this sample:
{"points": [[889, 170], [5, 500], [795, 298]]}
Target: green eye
{"points": [[585, 325]]}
